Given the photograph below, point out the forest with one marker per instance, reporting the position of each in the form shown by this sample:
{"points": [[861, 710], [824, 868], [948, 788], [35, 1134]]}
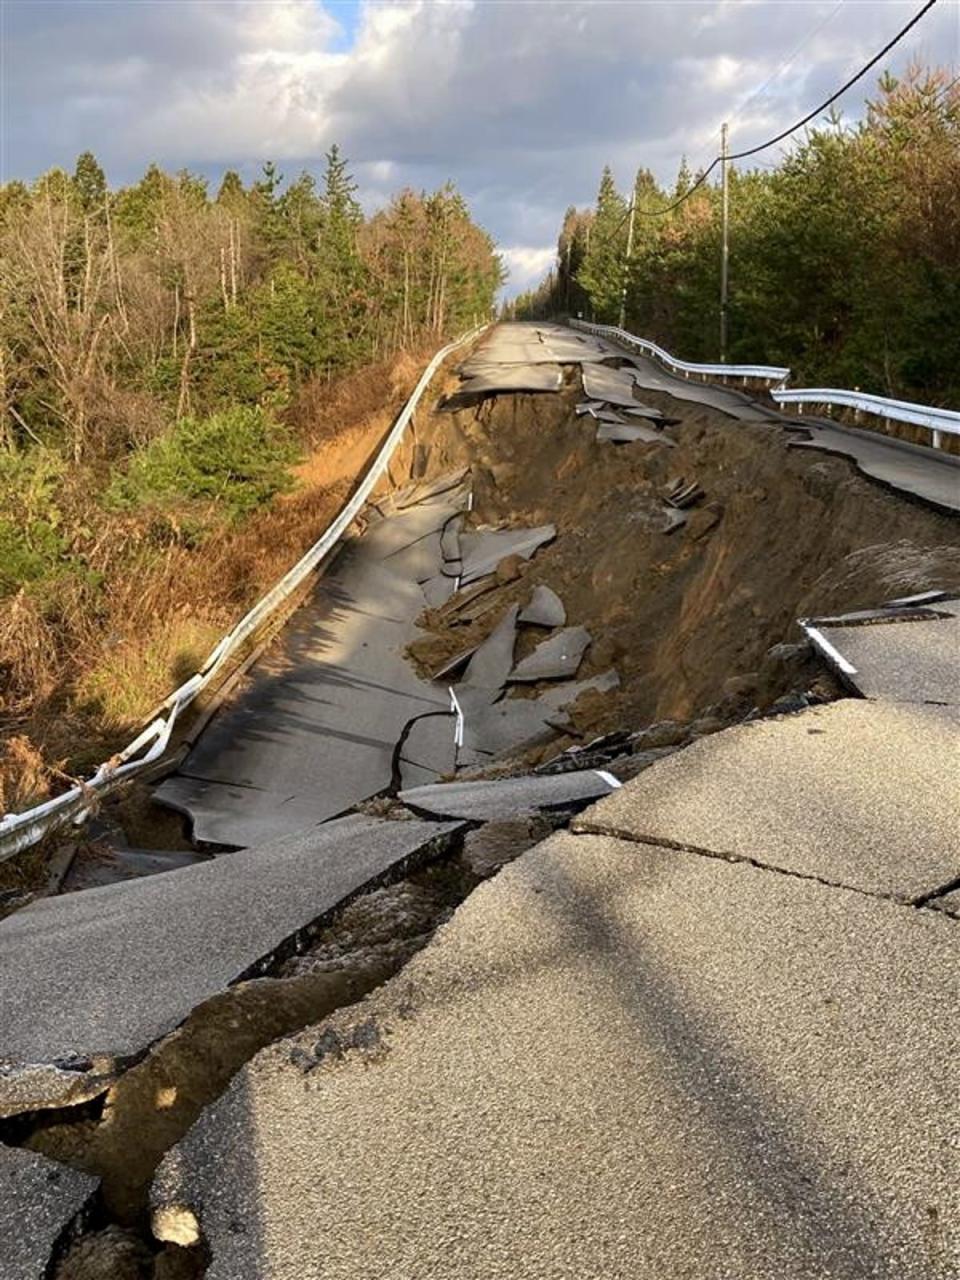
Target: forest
{"points": [[168, 357], [844, 255]]}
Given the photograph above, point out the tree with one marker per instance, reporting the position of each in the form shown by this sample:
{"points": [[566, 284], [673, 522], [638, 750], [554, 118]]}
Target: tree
{"points": [[601, 273], [90, 183]]}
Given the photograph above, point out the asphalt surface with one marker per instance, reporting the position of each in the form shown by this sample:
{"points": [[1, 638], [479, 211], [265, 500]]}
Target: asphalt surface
{"points": [[616, 1061], [315, 729], [926, 473], [114, 969], [863, 794], [908, 661], [508, 798], [39, 1199], [736, 404]]}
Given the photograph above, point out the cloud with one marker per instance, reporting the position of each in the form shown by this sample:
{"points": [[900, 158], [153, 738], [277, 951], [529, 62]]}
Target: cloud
{"points": [[527, 265], [520, 104]]}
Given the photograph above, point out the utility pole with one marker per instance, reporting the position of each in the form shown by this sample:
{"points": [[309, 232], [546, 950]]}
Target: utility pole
{"points": [[626, 265], [725, 245]]}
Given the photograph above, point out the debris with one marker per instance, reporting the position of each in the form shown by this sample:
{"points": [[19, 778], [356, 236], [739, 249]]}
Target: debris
{"points": [[554, 658], [545, 609], [680, 494], [509, 797], [490, 665], [631, 433], [483, 550]]}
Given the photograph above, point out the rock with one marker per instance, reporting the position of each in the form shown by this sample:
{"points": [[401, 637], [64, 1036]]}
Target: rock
{"points": [[666, 733], [739, 686], [706, 725], [508, 569], [785, 657], [111, 1254], [703, 520], [789, 703]]}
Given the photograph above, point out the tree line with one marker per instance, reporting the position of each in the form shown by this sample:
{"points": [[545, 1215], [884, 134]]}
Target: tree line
{"points": [[844, 255], [124, 311]]}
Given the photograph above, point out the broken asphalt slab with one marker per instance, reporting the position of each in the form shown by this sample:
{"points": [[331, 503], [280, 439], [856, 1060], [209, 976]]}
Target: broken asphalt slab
{"points": [[315, 730], [509, 798], [631, 433], [492, 660], [930, 474], [108, 972], [483, 550], [903, 659], [556, 658], [40, 1200], [615, 1060], [854, 793], [545, 609]]}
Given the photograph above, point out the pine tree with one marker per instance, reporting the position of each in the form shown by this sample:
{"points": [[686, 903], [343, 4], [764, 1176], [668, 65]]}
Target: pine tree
{"points": [[90, 183], [601, 274]]}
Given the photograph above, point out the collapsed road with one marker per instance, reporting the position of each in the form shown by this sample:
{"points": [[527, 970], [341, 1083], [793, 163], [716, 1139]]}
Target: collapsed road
{"points": [[697, 1030]]}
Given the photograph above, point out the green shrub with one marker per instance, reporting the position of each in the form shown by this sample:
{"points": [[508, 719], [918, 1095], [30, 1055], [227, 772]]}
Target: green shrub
{"points": [[237, 459], [32, 548]]}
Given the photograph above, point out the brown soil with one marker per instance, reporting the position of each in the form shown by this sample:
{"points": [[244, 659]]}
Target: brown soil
{"points": [[684, 617]]}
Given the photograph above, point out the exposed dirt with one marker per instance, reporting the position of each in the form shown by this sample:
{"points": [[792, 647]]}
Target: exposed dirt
{"points": [[685, 617]]}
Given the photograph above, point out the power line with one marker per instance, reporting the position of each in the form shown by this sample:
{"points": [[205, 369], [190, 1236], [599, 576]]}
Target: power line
{"points": [[738, 112], [751, 151]]}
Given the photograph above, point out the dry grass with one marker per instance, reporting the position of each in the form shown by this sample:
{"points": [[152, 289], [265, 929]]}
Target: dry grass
{"points": [[80, 675]]}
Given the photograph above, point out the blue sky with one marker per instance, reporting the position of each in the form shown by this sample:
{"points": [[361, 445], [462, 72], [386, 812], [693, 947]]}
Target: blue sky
{"points": [[519, 102]]}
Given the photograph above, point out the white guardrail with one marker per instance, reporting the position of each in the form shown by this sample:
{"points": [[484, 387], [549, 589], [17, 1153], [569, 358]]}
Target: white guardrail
{"points": [[936, 421], [763, 372], [18, 831]]}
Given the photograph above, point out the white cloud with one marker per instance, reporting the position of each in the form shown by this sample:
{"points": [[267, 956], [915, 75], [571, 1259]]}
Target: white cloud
{"points": [[527, 266], [520, 104]]}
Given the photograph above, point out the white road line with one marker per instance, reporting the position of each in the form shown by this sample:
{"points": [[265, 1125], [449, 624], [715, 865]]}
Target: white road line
{"points": [[824, 645]]}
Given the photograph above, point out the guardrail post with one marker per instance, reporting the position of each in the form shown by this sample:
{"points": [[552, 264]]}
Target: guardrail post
{"points": [[937, 438]]}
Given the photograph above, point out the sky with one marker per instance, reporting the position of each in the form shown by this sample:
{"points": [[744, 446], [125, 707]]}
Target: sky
{"points": [[519, 102]]}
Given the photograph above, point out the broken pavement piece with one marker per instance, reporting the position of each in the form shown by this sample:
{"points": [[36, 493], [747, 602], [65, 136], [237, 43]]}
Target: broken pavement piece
{"points": [[483, 550], [674, 519], [509, 797], [545, 609], [609, 386], [555, 658], [39, 1200], [896, 657], [182, 937], [490, 664], [681, 495], [630, 433], [494, 728]]}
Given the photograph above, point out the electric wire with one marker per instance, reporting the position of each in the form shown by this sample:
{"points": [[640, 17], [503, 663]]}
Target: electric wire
{"points": [[785, 133]]}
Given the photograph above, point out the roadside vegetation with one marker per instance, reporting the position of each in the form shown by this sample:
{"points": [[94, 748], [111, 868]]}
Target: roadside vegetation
{"points": [[177, 372], [844, 255]]}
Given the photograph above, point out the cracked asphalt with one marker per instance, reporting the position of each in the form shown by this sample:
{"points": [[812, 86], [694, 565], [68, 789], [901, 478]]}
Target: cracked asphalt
{"points": [[617, 1061], [620, 1060]]}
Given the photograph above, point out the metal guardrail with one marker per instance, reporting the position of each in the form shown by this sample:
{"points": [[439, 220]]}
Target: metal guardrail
{"points": [[762, 372], [18, 831], [936, 421]]}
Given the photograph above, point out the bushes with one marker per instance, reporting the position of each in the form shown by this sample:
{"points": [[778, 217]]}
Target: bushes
{"points": [[237, 459], [32, 545]]}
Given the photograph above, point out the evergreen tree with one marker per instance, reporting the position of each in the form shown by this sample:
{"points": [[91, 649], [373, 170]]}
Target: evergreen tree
{"points": [[601, 273], [90, 183]]}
